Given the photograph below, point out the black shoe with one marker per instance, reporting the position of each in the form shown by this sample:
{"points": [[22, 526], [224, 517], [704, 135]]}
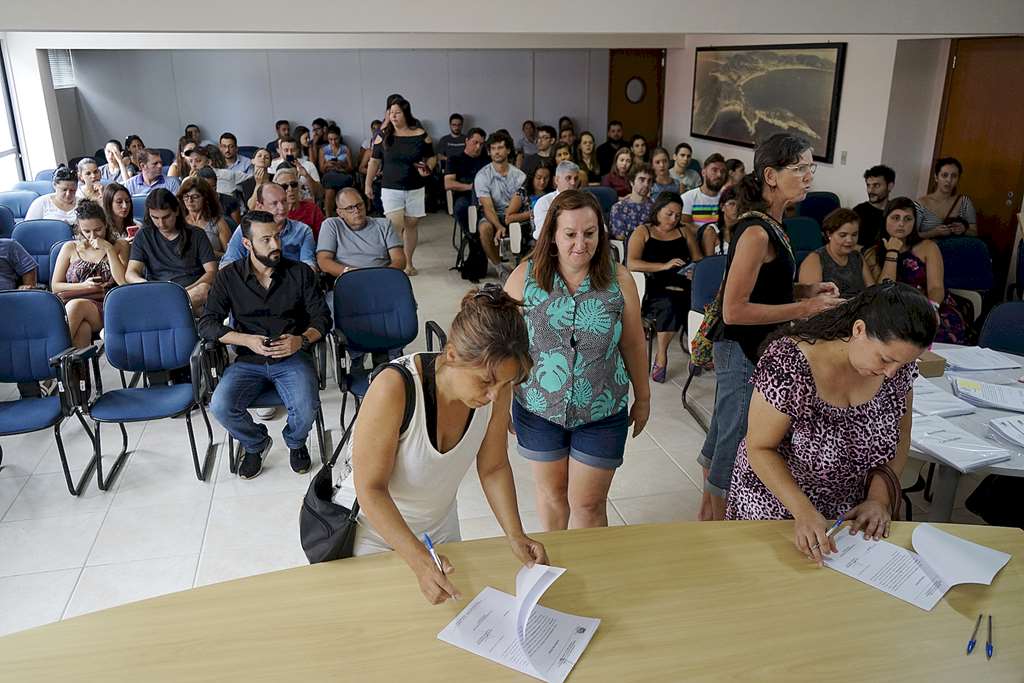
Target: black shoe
{"points": [[300, 460], [252, 461]]}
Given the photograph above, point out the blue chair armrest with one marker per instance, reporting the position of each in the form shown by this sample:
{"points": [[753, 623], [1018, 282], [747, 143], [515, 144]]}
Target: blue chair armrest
{"points": [[431, 329], [74, 383], [319, 351]]}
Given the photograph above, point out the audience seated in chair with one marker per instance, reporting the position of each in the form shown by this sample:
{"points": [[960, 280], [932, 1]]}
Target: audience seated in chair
{"points": [[209, 156], [230, 206], [537, 185], [545, 141], [18, 270], [278, 313], [366, 146], [634, 208], [284, 129], [182, 166], [700, 205], [607, 150], [461, 169], [309, 177], [618, 177], [586, 157], [334, 159], [935, 209], [878, 181], [567, 177], [495, 186], [202, 210], [301, 210], [234, 161], [354, 240], [135, 148], [715, 238], [168, 248], [86, 268], [119, 211], [528, 143], [839, 261], [453, 143], [663, 180], [638, 147], [296, 238], [60, 205], [151, 176], [89, 185], [681, 173], [119, 167]]}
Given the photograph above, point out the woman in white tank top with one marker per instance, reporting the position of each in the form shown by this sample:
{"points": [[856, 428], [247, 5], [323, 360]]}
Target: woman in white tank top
{"points": [[407, 483]]}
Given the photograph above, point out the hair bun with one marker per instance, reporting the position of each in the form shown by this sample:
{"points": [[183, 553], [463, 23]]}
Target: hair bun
{"points": [[491, 295]]}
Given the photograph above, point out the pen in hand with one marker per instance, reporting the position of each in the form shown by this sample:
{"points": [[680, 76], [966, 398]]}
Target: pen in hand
{"points": [[835, 527], [974, 636], [437, 560]]}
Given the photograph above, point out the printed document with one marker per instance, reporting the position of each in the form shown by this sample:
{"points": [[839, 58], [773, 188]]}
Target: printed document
{"points": [[954, 446], [1010, 429], [920, 578], [516, 632], [988, 395], [931, 400], [976, 358]]}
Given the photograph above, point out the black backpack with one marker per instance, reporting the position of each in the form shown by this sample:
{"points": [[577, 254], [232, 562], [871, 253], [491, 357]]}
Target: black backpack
{"points": [[997, 500], [472, 263]]}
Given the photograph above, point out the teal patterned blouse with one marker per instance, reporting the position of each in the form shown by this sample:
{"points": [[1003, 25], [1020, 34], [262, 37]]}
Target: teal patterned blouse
{"points": [[578, 375]]}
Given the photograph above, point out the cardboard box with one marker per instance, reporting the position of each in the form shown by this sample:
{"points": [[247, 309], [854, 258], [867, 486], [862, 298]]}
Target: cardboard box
{"points": [[931, 364]]}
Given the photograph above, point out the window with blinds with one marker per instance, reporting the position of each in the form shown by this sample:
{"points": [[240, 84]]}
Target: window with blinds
{"points": [[62, 71]]}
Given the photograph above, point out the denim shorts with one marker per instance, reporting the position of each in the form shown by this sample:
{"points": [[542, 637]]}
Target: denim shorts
{"points": [[598, 444]]}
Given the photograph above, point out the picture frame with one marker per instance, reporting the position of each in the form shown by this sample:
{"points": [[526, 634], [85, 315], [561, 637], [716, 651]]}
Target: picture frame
{"points": [[743, 94]]}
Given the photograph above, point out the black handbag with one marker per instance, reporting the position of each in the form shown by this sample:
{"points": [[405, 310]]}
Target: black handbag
{"points": [[327, 530]]}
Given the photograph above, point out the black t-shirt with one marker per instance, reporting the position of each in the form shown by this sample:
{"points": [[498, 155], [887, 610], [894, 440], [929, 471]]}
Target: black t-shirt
{"points": [[450, 145], [161, 259], [872, 223], [532, 161], [398, 159], [465, 167]]}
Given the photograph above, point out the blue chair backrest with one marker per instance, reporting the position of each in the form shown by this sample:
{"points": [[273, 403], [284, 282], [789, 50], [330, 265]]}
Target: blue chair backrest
{"points": [[247, 150], [34, 330], [54, 253], [18, 201], [40, 187], [804, 233], [46, 174], [100, 156], [817, 205], [6, 221], [139, 207], [1004, 328], [966, 263], [148, 327], [38, 236], [707, 278], [166, 156], [605, 196], [375, 309]]}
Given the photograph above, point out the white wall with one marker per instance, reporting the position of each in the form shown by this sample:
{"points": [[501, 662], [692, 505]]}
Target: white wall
{"points": [[863, 106], [919, 76], [155, 93]]}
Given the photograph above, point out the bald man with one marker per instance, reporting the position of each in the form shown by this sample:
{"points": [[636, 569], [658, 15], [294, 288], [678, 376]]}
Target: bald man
{"points": [[355, 240]]}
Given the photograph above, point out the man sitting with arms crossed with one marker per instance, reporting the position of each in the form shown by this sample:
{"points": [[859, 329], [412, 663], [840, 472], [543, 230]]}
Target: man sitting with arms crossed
{"points": [[567, 177], [495, 185], [461, 170], [296, 238], [278, 313]]}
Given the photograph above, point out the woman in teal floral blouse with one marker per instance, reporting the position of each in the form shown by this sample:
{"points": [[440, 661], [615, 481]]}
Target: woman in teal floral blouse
{"points": [[583, 317]]}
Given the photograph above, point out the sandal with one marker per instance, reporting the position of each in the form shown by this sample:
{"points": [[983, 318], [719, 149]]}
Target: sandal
{"points": [[658, 373]]}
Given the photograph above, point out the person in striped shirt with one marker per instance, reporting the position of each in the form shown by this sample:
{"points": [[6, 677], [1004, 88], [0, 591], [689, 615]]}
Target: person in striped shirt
{"points": [[700, 205]]}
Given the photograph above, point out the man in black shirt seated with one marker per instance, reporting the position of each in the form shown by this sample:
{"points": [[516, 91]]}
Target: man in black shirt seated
{"points": [[167, 248], [278, 314], [879, 181], [607, 149], [462, 169]]}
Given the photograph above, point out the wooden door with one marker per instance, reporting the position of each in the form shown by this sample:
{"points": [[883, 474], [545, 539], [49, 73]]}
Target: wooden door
{"points": [[636, 92], [980, 125]]}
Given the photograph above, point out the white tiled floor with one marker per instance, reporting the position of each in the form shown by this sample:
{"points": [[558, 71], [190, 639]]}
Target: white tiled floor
{"points": [[160, 530]]}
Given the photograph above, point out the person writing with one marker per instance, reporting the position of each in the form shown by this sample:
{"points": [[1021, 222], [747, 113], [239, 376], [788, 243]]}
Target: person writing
{"points": [[830, 418], [406, 483]]}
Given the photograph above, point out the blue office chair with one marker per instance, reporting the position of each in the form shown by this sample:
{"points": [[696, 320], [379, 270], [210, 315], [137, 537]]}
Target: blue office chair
{"points": [[54, 253], [374, 313], [38, 237], [804, 237], [40, 187], [967, 263], [707, 279], [1017, 289], [247, 150], [46, 174], [18, 202], [149, 328], [817, 205], [166, 156], [7, 222], [605, 196], [35, 345], [1004, 328], [139, 206]]}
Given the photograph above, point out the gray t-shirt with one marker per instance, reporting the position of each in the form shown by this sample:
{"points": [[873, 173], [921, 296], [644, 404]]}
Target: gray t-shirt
{"points": [[365, 248], [500, 188]]}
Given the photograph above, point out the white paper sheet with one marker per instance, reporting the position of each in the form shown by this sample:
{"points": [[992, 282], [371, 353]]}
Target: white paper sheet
{"points": [[986, 394], [976, 358], [516, 632], [953, 445], [920, 578], [1009, 428], [932, 400]]}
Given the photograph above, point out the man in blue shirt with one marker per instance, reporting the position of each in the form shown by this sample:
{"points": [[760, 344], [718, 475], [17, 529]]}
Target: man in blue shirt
{"points": [[297, 241], [16, 264], [229, 148], [151, 176]]}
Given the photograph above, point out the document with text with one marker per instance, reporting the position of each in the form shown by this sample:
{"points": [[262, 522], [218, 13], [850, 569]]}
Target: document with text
{"points": [[516, 632], [920, 578], [976, 358]]}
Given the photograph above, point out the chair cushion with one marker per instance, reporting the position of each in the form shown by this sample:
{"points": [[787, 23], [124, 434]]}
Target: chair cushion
{"points": [[143, 403], [29, 414]]}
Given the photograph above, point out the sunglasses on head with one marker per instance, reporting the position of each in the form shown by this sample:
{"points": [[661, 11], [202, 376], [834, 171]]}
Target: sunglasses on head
{"points": [[189, 152]]}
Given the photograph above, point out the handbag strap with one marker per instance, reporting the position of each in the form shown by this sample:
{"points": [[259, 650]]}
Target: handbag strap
{"points": [[949, 214], [892, 485]]}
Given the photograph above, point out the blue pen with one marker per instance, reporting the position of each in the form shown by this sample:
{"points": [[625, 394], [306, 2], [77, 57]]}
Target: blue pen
{"points": [[835, 527], [988, 645], [437, 560], [974, 636]]}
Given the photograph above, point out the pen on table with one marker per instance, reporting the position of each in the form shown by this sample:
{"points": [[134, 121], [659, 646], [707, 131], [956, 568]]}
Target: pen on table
{"points": [[988, 645], [835, 527], [974, 636]]}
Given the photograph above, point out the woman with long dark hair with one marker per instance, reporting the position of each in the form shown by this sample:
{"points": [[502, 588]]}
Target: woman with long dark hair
{"points": [[900, 254], [830, 418], [120, 213], [181, 168], [946, 211], [714, 238], [405, 152], [202, 209], [334, 160], [758, 296], [586, 157]]}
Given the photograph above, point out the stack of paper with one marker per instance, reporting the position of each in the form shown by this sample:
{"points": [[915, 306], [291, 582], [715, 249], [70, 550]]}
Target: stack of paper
{"points": [[1010, 429], [954, 446], [515, 632], [931, 400], [988, 395], [976, 358], [922, 578]]}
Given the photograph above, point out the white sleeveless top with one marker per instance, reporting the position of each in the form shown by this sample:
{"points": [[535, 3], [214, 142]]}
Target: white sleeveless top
{"points": [[424, 483]]}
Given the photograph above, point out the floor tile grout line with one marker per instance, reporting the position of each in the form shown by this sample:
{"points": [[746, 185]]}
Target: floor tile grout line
{"points": [[209, 512], [85, 562], [14, 499], [673, 461]]}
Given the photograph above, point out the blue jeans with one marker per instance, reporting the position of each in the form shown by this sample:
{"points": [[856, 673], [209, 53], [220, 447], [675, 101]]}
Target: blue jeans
{"points": [[460, 207], [296, 384], [733, 390]]}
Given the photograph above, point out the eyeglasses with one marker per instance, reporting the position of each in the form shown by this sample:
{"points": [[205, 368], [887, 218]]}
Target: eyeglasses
{"points": [[192, 197], [352, 207], [803, 169], [292, 185]]}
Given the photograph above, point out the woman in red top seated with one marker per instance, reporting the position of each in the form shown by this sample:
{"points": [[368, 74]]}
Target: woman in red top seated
{"points": [[617, 178]]}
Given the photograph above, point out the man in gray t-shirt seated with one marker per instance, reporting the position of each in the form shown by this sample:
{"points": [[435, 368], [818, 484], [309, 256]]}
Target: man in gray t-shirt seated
{"points": [[354, 240]]}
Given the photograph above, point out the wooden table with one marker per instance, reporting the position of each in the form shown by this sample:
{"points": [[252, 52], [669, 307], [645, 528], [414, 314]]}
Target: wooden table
{"points": [[685, 601]]}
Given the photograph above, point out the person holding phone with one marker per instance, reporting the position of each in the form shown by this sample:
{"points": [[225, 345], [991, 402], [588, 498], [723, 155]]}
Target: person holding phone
{"points": [[309, 177]]}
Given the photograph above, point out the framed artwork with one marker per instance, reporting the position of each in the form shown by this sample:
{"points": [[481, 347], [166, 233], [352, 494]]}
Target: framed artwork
{"points": [[744, 94]]}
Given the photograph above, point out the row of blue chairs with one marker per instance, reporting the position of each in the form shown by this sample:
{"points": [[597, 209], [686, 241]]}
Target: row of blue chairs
{"points": [[150, 332]]}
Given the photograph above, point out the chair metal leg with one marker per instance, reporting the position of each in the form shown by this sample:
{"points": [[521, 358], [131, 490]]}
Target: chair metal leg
{"points": [[233, 457], [928, 483], [105, 482], [320, 436], [75, 489], [201, 471]]}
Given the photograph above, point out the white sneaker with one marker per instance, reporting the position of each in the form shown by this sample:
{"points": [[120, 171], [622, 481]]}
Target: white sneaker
{"points": [[265, 413]]}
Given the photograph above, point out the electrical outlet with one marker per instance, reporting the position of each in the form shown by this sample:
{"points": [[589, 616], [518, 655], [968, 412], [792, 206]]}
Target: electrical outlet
{"points": [[842, 158]]}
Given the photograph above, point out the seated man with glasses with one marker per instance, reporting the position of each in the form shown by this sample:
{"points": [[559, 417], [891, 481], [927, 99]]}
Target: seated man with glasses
{"points": [[355, 240], [299, 209], [297, 241]]}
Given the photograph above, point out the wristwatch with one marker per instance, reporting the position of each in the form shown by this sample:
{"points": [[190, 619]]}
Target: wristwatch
{"points": [[305, 342]]}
